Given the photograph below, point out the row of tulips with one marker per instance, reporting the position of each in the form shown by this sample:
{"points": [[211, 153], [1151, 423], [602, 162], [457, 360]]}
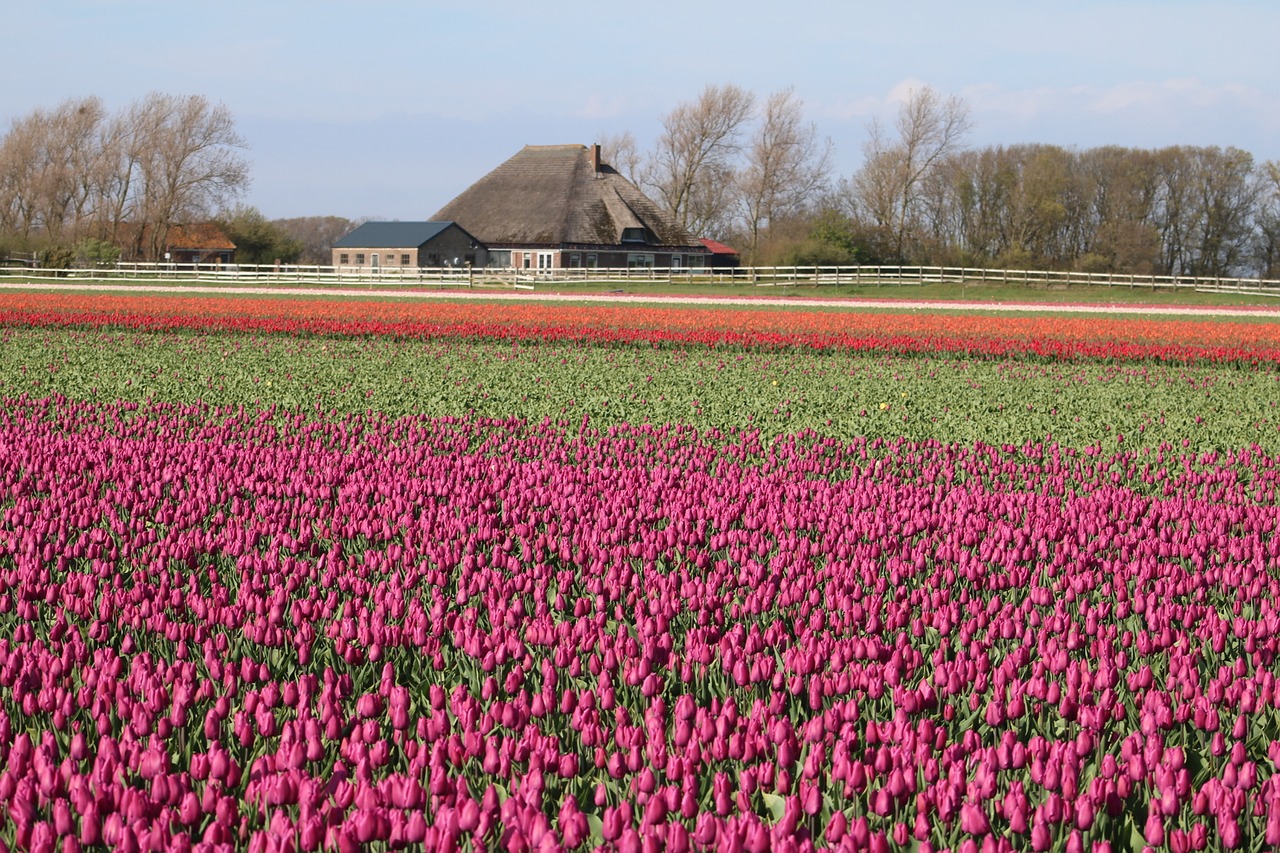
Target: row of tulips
{"points": [[845, 395], [228, 628], [1045, 337]]}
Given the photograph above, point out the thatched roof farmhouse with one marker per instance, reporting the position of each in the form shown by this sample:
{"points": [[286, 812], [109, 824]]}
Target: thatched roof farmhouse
{"points": [[553, 206]]}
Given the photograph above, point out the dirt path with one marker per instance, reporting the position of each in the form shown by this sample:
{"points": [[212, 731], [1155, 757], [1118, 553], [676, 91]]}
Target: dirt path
{"points": [[679, 299]]}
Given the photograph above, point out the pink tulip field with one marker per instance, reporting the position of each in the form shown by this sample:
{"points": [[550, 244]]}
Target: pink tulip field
{"points": [[297, 592]]}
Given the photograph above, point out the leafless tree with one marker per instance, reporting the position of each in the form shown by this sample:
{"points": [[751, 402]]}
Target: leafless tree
{"points": [[691, 171], [115, 181], [787, 166], [620, 151], [43, 161], [20, 154], [188, 154], [886, 189], [75, 172], [317, 235], [1227, 191], [1267, 244]]}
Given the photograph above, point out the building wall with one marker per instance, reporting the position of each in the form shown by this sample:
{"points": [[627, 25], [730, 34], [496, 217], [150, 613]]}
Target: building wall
{"points": [[201, 256], [606, 258], [451, 247]]}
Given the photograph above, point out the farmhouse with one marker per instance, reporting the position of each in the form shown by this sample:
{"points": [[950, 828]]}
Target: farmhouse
{"points": [[407, 245], [200, 243], [191, 243], [559, 206]]}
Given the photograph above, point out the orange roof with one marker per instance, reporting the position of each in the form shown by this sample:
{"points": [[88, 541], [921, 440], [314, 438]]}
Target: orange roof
{"points": [[203, 235], [717, 248]]}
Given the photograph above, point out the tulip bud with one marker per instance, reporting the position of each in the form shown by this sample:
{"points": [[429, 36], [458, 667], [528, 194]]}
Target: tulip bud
{"points": [[973, 821], [1153, 831]]}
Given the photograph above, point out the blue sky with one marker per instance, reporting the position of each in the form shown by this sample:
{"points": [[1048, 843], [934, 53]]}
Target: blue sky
{"points": [[389, 108]]}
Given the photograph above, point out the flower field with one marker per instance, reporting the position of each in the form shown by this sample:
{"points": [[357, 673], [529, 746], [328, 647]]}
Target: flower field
{"points": [[530, 577]]}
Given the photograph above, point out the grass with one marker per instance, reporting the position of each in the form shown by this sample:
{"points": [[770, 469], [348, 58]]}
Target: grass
{"points": [[975, 292], [940, 292]]}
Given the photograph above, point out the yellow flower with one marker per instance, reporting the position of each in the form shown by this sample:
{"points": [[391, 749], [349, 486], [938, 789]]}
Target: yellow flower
{"points": [[884, 406]]}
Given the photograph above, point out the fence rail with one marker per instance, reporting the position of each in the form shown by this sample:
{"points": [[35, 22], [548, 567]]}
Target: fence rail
{"points": [[762, 277]]}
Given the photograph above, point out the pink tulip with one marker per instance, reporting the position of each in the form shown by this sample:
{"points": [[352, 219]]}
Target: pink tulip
{"points": [[972, 820]]}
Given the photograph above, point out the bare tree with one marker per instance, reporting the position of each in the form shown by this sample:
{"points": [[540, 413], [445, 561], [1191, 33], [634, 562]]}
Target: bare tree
{"points": [[1228, 188], [20, 154], [189, 163], [1123, 186], [1267, 243], [70, 143], [115, 181], [619, 150], [787, 166], [691, 170], [887, 187], [317, 235]]}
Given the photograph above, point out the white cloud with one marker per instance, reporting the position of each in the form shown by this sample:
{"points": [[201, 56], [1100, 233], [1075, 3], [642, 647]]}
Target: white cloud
{"points": [[870, 106], [903, 90]]}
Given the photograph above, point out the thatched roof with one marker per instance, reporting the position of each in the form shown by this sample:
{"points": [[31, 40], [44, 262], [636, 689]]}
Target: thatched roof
{"points": [[557, 195]]}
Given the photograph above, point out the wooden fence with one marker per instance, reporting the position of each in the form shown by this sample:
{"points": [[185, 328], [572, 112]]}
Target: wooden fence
{"points": [[755, 277]]}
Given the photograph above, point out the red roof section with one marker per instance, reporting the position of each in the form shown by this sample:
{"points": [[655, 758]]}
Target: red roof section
{"points": [[717, 248], [204, 235]]}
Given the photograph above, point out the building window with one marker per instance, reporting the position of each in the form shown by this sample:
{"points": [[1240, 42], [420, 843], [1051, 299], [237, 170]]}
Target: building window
{"points": [[676, 262], [633, 235], [359, 259], [344, 258], [499, 258], [404, 260], [528, 260], [391, 259], [591, 261], [639, 261], [575, 260]]}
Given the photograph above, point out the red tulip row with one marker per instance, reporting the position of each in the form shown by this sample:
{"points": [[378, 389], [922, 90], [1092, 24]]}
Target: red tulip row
{"points": [[1180, 341], [253, 629]]}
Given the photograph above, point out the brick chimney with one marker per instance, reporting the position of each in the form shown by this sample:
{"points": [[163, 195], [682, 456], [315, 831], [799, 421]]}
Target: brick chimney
{"points": [[595, 157]]}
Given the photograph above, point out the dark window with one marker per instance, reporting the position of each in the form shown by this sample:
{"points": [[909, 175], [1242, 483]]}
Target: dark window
{"points": [[360, 258], [633, 235], [404, 260], [344, 258]]}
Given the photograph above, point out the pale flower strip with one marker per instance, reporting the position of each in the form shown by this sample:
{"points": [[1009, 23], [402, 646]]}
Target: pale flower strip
{"points": [[223, 627]]}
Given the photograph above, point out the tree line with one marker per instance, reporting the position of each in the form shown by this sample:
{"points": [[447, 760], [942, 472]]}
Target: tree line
{"points": [[80, 176], [80, 184], [756, 175]]}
